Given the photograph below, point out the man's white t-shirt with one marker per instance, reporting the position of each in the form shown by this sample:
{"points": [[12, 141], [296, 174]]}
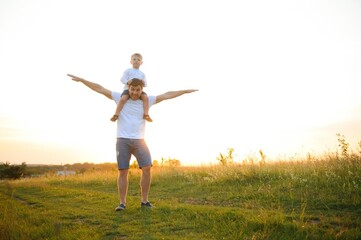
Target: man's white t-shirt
{"points": [[131, 73], [130, 122]]}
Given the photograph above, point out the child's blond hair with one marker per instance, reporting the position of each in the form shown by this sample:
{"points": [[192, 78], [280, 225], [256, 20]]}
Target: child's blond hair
{"points": [[136, 55]]}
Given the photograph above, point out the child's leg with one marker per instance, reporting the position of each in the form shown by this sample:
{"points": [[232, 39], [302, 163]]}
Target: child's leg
{"points": [[145, 99], [119, 108]]}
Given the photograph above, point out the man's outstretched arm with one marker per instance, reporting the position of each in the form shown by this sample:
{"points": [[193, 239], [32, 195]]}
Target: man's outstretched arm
{"points": [[173, 94], [93, 86]]}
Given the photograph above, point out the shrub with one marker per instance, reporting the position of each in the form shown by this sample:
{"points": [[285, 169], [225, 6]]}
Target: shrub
{"points": [[8, 171]]}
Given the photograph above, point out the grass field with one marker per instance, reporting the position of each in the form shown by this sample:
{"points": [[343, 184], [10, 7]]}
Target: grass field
{"points": [[318, 198]]}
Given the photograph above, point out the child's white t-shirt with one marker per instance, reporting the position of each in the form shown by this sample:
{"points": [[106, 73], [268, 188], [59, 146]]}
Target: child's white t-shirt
{"points": [[130, 122], [131, 73]]}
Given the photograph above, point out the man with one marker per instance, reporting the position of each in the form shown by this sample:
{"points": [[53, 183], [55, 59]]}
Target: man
{"points": [[130, 134]]}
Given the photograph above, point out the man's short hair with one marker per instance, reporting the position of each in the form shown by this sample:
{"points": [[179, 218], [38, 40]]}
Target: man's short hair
{"points": [[136, 82]]}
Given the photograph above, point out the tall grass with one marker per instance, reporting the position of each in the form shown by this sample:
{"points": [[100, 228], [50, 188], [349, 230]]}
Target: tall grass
{"points": [[318, 197]]}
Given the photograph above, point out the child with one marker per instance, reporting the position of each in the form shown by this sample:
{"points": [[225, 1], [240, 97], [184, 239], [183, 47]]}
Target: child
{"points": [[136, 60]]}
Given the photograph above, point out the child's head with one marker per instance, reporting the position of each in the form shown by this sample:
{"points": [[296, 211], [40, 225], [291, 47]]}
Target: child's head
{"points": [[136, 60], [137, 55]]}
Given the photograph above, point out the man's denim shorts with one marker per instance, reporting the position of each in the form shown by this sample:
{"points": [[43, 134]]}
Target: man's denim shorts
{"points": [[127, 147]]}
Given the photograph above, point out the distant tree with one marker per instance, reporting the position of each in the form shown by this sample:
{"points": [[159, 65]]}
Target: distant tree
{"points": [[134, 164], [169, 162], [155, 163], [172, 163], [8, 171]]}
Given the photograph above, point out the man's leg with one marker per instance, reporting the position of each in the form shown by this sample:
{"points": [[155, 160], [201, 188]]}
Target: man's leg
{"points": [[123, 185], [144, 159], [145, 183], [123, 157]]}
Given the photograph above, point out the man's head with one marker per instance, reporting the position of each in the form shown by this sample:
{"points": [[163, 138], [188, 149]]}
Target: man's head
{"points": [[135, 87], [136, 60]]}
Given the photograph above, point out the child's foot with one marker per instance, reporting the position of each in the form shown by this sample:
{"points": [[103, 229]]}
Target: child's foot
{"points": [[147, 117], [114, 118]]}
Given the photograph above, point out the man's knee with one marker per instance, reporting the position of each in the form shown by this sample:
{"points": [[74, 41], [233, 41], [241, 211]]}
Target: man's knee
{"points": [[146, 170], [123, 172]]}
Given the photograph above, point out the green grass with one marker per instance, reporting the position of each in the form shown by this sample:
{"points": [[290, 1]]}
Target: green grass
{"points": [[311, 199]]}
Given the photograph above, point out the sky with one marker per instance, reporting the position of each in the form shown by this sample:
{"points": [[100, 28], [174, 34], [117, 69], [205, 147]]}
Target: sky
{"points": [[279, 76]]}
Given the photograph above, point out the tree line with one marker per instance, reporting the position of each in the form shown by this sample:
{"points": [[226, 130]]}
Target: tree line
{"points": [[9, 171]]}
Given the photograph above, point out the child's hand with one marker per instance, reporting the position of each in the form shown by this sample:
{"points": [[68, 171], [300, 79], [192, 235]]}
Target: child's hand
{"points": [[114, 118]]}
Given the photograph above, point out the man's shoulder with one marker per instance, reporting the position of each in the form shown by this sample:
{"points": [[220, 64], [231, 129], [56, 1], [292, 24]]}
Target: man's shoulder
{"points": [[116, 96], [152, 100]]}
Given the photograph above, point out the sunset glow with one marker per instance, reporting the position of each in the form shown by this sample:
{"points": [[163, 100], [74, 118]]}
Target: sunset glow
{"points": [[281, 76]]}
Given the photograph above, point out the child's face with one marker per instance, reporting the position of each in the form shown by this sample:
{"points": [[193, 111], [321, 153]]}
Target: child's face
{"points": [[136, 61], [135, 92]]}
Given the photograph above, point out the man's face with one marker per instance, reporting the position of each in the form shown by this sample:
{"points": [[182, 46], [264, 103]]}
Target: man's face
{"points": [[135, 92]]}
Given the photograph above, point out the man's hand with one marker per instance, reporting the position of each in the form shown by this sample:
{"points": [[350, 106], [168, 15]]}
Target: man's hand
{"points": [[93, 86], [75, 78], [173, 94], [190, 90]]}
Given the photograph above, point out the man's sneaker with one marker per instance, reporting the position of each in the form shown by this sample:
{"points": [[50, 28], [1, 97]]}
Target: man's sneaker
{"points": [[120, 207], [147, 205]]}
